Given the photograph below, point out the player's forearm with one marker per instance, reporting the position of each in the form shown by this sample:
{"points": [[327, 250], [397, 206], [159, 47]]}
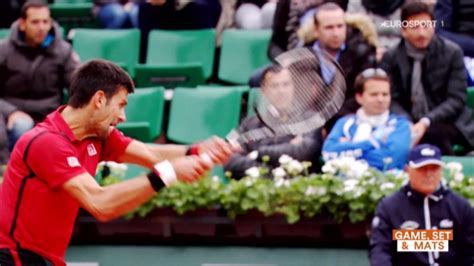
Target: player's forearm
{"points": [[118, 199], [168, 151]]}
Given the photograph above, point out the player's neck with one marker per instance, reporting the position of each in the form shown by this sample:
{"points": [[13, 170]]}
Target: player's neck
{"points": [[78, 121]]}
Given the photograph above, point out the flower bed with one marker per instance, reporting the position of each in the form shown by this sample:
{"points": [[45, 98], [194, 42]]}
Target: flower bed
{"points": [[347, 190]]}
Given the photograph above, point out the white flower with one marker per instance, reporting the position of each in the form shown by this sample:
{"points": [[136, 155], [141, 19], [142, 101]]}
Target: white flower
{"points": [[216, 179], [387, 186], [249, 182], [284, 159], [253, 172], [329, 168], [321, 191], [310, 191], [295, 167], [459, 177], [454, 167], [253, 155], [350, 184], [282, 182], [278, 172]]}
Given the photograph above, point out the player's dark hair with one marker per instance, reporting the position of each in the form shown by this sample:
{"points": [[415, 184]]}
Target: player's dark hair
{"points": [[97, 75]]}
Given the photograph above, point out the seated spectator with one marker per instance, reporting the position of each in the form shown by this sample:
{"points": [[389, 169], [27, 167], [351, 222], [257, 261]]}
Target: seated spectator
{"points": [[4, 151], [116, 14], [373, 133], [350, 40], [290, 16], [276, 84], [35, 65], [255, 14], [424, 203], [455, 23], [429, 83]]}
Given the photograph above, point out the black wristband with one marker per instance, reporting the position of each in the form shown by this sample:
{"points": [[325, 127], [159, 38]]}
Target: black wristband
{"points": [[156, 183]]}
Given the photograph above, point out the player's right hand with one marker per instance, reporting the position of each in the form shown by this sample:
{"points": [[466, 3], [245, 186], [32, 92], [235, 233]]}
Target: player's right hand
{"points": [[190, 168]]}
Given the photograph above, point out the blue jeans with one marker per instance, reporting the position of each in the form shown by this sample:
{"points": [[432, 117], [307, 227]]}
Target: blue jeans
{"points": [[114, 16], [19, 128]]}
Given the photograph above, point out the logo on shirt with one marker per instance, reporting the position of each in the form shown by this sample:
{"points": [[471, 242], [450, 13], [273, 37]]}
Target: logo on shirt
{"points": [[91, 150], [73, 161]]}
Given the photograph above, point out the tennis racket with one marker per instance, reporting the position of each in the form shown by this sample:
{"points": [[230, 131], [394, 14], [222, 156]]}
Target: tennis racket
{"points": [[307, 91]]}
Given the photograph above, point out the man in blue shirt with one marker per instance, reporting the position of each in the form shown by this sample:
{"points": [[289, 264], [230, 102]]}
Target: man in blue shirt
{"points": [[372, 133]]}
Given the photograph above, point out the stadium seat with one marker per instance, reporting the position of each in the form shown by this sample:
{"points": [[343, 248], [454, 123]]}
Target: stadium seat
{"points": [[198, 114], [4, 33], [470, 97], [119, 46], [178, 58], [144, 114], [240, 88], [73, 13], [242, 52], [466, 161]]}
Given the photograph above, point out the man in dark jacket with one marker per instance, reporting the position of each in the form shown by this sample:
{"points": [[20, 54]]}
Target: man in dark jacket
{"points": [[429, 83], [278, 90], [425, 203], [35, 66]]}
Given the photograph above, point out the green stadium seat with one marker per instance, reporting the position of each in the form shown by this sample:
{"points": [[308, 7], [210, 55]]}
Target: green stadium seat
{"points": [[178, 58], [240, 88], [198, 114], [242, 52], [73, 13], [186, 75], [4, 33], [470, 97], [144, 114], [466, 161], [119, 46]]}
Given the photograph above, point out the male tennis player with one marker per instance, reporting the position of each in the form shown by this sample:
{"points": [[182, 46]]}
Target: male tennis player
{"points": [[50, 174]]}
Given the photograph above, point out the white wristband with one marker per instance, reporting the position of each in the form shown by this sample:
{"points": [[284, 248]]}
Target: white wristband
{"points": [[167, 173]]}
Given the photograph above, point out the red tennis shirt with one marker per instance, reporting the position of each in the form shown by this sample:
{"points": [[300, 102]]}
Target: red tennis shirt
{"points": [[35, 212]]}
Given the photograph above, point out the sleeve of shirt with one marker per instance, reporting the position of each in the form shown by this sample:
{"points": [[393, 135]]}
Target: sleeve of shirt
{"points": [[53, 159], [115, 146], [333, 147]]}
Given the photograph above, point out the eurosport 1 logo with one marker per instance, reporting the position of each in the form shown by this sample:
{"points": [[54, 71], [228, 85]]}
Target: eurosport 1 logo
{"points": [[412, 23]]}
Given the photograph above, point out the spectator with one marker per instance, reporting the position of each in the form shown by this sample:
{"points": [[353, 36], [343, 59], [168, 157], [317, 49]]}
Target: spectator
{"points": [[373, 133], [429, 83], [455, 23], [255, 14], [116, 14], [290, 16], [36, 64], [276, 85], [424, 203], [350, 40], [50, 174], [4, 151]]}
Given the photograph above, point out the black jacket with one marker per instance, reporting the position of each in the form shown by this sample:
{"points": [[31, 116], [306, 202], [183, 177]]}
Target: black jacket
{"points": [[406, 209], [32, 79], [444, 80], [308, 149]]}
